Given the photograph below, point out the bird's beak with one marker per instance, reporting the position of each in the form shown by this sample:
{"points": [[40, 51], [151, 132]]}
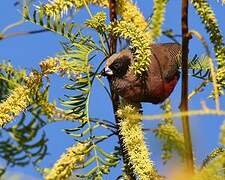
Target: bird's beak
{"points": [[106, 72]]}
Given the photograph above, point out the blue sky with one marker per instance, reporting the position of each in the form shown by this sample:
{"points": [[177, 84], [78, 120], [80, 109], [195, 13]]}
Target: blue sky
{"points": [[28, 51]]}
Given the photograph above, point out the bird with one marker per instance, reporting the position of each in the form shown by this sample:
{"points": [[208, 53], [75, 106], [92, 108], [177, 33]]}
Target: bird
{"points": [[155, 84]]}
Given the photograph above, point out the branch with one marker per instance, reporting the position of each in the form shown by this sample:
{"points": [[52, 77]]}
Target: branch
{"points": [[184, 96], [112, 9]]}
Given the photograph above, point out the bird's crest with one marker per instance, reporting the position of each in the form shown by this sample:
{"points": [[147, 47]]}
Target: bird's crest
{"points": [[121, 55], [111, 59]]}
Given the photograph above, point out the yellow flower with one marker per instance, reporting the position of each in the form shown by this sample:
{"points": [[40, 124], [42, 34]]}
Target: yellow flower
{"points": [[57, 65], [97, 22], [125, 8], [131, 13], [56, 8], [133, 138], [68, 162], [140, 42], [157, 18], [49, 66], [19, 99], [14, 104]]}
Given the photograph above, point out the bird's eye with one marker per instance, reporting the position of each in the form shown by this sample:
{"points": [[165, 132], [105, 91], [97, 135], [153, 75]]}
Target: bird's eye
{"points": [[115, 65]]}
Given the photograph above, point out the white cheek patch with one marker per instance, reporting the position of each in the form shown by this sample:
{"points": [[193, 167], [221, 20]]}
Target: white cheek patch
{"points": [[108, 71]]}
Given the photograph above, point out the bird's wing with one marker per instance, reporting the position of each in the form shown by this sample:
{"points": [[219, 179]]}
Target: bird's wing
{"points": [[166, 59]]}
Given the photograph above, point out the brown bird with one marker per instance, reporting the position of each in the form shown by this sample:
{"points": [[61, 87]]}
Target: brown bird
{"points": [[156, 83]]}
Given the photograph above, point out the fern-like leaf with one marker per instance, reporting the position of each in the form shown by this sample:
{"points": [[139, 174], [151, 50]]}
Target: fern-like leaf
{"points": [[64, 29]]}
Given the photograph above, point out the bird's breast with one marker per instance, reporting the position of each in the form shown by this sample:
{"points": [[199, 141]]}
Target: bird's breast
{"points": [[129, 88], [151, 89]]}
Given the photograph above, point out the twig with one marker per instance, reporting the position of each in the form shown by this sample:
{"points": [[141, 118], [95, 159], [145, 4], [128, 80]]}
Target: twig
{"points": [[107, 137], [169, 33], [14, 34], [202, 39], [184, 95], [201, 112], [103, 85], [148, 129], [215, 86], [18, 23], [198, 89], [103, 122]]}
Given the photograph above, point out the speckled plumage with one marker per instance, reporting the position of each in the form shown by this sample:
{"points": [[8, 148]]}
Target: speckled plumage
{"points": [[156, 84]]}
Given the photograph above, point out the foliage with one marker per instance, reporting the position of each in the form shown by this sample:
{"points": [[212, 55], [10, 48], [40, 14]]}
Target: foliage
{"points": [[171, 138], [22, 143], [209, 20], [24, 95], [157, 18], [214, 170]]}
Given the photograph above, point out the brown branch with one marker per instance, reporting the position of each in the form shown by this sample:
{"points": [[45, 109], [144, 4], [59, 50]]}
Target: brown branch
{"points": [[115, 98], [184, 94], [112, 14]]}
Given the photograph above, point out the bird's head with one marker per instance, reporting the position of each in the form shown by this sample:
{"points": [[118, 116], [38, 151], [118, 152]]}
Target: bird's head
{"points": [[118, 64]]}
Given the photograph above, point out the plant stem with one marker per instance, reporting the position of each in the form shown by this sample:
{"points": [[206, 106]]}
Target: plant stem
{"points": [[112, 14], [184, 95], [115, 97]]}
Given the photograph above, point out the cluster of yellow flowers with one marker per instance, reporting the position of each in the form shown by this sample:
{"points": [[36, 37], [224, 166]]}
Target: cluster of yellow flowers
{"points": [[97, 22], [59, 65], [130, 13], [49, 66], [64, 167], [14, 104], [133, 138], [19, 100], [139, 42], [157, 18], [56, 8]]}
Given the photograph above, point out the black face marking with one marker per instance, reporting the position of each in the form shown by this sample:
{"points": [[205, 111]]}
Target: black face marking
{"points": [[120, 66]]}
